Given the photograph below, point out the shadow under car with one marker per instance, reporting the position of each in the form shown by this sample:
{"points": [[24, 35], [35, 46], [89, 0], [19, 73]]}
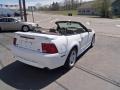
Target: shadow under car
{"points": [[22, 76]]}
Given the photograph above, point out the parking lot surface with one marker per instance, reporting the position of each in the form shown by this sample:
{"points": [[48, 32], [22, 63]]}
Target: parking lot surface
{"points": [[96, 69]]}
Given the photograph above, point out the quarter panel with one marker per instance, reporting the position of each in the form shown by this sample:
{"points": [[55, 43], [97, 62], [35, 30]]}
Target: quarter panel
{"points": [[61, 44], [74, 40]]}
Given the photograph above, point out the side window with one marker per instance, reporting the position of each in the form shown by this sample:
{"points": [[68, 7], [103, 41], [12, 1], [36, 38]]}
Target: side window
{"points": [[5, 20], [10, 20], [80, 29], [75, 28], [0, 20]]}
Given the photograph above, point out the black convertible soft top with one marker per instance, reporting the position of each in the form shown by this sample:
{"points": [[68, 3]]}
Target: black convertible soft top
{"points": [[67, 21]]}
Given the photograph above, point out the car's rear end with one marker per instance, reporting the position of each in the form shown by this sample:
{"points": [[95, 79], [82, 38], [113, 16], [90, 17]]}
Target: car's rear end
{"points": [[39, 50]]}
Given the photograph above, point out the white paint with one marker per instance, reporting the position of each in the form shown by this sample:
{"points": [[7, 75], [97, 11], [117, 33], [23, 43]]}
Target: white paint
{"points": [[31, 53]]}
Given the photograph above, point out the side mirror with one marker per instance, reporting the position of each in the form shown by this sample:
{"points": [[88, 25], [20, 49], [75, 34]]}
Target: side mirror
{"points": [[89, 30], [16, 21]]}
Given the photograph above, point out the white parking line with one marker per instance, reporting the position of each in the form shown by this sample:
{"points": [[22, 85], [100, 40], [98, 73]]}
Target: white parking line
{"points": [[110, 35], [117, 25]]}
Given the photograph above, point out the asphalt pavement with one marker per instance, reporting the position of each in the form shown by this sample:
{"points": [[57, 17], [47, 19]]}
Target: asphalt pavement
{"points": [[96, 69]]}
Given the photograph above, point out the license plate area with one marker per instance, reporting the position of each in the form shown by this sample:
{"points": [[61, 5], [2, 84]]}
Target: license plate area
{"points": [[26, 42]]}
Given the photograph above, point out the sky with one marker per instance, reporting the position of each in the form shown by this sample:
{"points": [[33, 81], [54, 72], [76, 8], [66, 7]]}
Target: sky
{"points": [[31, 2]]}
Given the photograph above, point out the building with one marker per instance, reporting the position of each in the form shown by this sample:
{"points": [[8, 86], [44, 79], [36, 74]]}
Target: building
{"points": [[8, 10], [87, 8], [116, 7], [32, 8]]}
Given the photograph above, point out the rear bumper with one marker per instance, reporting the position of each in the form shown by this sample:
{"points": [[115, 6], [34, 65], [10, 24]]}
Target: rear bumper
{"points": [[38, 59]]}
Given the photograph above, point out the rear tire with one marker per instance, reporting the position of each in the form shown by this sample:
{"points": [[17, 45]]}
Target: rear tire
{"points": [[71, 59], [25, 28]]}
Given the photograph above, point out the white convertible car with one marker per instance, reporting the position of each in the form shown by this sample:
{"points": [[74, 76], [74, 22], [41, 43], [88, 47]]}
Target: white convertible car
{"points": [[52, 48]]}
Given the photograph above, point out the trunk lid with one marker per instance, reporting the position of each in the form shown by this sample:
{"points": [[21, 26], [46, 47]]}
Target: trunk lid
{"points": [[32, 41]]}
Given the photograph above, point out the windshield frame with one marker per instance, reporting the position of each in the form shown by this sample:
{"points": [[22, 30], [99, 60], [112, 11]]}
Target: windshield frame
{"points": [[57, 23]]}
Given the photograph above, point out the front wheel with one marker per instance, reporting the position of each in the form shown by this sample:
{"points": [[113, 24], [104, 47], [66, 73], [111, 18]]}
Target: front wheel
{"points": [[93, 41], [25, 28], [71, 59]]}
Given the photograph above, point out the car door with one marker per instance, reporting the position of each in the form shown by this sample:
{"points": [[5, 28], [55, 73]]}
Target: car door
{"points": [[11, 24], [81, 36], [84, 40], [6, 24], [17, 25], [3, 24], [84, 35]]}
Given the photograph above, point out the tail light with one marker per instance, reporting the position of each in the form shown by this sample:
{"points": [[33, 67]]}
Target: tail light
{"points": [[49, 48], [14, 41]]}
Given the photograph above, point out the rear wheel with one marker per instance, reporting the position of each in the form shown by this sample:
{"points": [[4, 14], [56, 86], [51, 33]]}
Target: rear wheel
{"points": [[25, 28], [71, 59]]}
